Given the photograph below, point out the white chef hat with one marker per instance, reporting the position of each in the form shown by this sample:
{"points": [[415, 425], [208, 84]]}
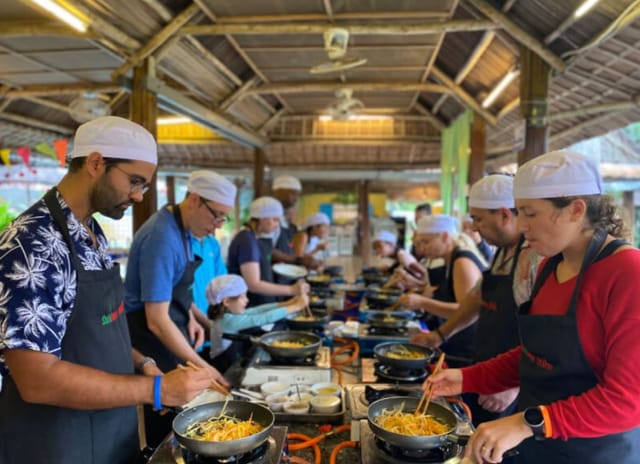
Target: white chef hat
{"points": [[386, 236], [266, 207], [212, 186], [492, 192], [437, 224], [115, 137], [225, 286], [561, 173], [286, 182], [317, 219]]}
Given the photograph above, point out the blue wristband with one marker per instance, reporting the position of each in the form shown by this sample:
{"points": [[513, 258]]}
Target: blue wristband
{"points": [[157, 402]]}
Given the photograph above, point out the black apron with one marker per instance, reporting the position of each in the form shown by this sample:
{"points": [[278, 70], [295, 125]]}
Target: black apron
{"points": [[555, 339], [497, 326], [266, 273], [462, 345], [181, 299], [96, 336], [284, 244]]}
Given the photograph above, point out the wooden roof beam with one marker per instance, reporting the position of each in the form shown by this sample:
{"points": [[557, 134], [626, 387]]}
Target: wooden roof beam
{"points": [[354, 28], [62, 89], [315, 86], [520, 35], [237, 94], [462, 94], [37, 123], [269, 123], [359, 15], [157, 40], [430, 117]]}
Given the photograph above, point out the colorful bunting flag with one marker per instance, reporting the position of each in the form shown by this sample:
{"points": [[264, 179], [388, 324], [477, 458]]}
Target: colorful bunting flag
{"points": [[46, 149], [4, 154], [61, 146], [24, 153]]}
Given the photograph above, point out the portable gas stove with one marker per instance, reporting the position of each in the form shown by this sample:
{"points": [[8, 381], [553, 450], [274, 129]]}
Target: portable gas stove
{"points": [[272, 451], [373, 450], [262, 368], [368, 337]]}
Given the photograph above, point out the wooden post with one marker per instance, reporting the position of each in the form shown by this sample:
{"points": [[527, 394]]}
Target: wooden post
{"points": [[630, 216], [171, 189], [259, 161], [478, 149], [143, 109], [534, 90], [364, 232]]}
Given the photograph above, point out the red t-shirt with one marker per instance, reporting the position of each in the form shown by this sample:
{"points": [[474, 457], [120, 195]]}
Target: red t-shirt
{"points": [[608, 320]]}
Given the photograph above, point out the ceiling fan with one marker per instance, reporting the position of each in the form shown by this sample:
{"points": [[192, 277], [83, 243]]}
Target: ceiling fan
{"points": [[87, 107], [344, 105], [336, 41]]}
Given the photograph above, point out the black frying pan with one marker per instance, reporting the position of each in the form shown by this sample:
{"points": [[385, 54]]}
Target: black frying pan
{"points": [[240, 410], [387, 321], [303, 322], [408, 404], [311, 343], [390, 354]]}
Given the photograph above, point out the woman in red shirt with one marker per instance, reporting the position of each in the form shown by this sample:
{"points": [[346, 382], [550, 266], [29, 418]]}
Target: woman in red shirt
{"points": [[579, 386]]}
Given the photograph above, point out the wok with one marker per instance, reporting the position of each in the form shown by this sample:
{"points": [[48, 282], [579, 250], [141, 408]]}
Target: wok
{"points": [[387, 321], [318, 321], [311, 343], [239, 409], [382, 350], [319, 280], [378, 300], [333, 271], [408, 404]]}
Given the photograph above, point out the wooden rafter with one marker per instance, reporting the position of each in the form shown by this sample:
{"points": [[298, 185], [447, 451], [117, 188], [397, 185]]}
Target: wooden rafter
{"points": [[33, 122], [315, 86], [62, 89], [359, 15], [462, 94], [354, 28], [430, 117], [519, 34], [237, 94]]}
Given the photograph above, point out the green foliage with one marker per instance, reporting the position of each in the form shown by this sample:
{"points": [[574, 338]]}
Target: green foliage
{"points": [[345, 198], [6, 216]]}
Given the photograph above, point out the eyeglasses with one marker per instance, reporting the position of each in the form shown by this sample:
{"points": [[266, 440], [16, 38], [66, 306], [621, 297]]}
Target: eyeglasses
{"points": [[218, 217], [136, 183]]}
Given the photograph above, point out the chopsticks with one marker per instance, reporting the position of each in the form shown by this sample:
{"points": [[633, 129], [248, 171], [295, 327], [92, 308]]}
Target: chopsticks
{"points": [[423, 405], [307, 311], [215, 385]]}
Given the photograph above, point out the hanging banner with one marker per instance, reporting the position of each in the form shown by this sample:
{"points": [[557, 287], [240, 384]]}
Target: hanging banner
{"points": [[61, 146], [24, 153], [4, 154], [46, 149]]}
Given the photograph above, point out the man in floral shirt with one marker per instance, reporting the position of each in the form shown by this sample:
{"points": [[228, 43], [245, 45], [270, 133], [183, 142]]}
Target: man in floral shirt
{"points": [[65, 353]]}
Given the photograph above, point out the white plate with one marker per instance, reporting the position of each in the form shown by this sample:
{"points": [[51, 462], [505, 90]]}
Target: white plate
{"points": [[207, 396], [290, 270]]}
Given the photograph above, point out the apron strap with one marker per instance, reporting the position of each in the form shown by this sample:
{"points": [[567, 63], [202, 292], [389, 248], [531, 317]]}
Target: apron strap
{"points": [[51, 201]]}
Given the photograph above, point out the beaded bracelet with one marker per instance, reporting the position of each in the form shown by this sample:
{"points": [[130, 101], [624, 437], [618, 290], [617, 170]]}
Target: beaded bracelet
{"points": [[157, 393]]}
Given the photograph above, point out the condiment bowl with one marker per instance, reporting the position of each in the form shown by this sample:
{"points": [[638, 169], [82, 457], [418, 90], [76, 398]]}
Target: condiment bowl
{"points": [[326, 388], [325, 404]]}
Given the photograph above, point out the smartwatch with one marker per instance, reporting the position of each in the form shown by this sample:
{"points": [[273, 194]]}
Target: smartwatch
{"points": [[535, 420]]}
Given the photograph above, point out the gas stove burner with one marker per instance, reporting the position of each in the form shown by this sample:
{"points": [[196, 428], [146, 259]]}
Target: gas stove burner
{"points": [[398, 331], [254, 456], [430, 455], [305, 361], [394, 374]]}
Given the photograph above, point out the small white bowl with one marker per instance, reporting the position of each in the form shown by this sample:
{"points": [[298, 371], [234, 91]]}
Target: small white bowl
{"points": [[325, 404], [271, 388], [296, 407], [326, 388], [276, 401]]}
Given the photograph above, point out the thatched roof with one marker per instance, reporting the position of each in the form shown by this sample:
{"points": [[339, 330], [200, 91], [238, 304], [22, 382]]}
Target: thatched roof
{"points": [[243, 67]]}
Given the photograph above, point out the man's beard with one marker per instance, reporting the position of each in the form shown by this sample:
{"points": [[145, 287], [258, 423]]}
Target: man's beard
{"points": [[102, 197]]}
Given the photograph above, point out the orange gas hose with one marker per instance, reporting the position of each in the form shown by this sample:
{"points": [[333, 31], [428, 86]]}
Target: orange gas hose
{"points": [[311, 441], [339, 371], [464, 405], [307, 442], [349, 345], [298, 460], [336, 450]]}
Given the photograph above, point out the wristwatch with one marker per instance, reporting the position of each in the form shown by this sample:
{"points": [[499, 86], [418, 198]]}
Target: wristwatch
{"points": [[143, 362], [535, 420]]}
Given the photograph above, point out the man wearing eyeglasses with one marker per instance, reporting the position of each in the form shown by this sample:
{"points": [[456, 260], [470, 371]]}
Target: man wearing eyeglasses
{"points": [[65, 352], [163, 321]]}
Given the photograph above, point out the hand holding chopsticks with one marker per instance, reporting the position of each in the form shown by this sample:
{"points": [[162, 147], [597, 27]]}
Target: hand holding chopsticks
{"points": [[423, 405], [215, 385]]}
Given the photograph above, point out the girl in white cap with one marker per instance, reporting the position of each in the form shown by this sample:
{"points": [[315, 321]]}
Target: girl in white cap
{"points": [[312, 240], [385, 247], [436, 238], [576, 366], [250, 254], [227, 298]]}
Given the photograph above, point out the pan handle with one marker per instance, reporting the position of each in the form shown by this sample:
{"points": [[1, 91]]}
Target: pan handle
{"points": [[241, 338]]}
